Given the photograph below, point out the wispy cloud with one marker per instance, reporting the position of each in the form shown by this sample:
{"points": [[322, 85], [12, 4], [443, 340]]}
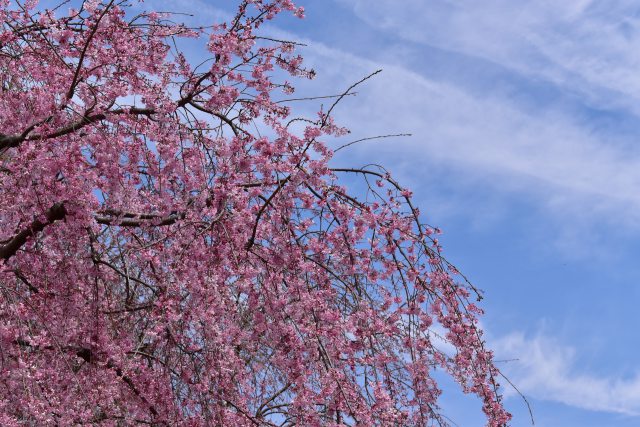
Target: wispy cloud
{"points": [[546, 369], [544, 153], [587, 46]]}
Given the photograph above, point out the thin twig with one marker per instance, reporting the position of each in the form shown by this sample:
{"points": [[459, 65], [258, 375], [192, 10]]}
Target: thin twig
{"points": [[370, 138]]}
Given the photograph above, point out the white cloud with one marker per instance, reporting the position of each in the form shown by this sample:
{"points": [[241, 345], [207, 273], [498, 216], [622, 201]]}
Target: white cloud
{"points": [[587, 46], [545, 369]]}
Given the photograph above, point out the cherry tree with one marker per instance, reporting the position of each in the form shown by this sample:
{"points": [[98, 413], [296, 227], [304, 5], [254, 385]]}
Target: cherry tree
{"points": [[176, 248]]}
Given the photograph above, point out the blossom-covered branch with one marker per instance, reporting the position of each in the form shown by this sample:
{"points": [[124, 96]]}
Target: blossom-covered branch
{"points": [[177, 249]]}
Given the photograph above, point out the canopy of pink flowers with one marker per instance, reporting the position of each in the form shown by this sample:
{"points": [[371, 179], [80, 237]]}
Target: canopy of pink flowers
{"points": [[164, 262]]}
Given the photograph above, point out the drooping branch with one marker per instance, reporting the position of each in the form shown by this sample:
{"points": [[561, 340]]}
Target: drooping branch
{"points": [[12, 141], [126, 219], [53, 214], [107, 217], [76, 74], [266, 204], [89, 356]]}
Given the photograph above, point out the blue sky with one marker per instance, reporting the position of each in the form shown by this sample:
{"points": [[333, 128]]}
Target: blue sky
{"points": [[524, 117]]}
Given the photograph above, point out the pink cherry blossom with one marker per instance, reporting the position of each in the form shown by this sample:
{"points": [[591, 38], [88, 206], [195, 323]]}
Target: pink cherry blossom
{"points": [[162, 262]]}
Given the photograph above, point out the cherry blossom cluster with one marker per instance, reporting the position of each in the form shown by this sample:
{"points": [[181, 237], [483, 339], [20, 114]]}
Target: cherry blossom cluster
{"points": [[177, 249]]}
